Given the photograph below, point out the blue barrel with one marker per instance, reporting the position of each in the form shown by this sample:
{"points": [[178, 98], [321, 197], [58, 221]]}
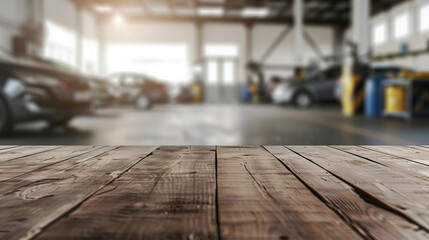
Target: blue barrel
{"points": [[246, 96], [373, 104]]}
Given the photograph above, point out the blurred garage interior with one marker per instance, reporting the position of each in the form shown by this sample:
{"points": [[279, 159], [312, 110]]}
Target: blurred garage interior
{"points": [[214, 72]]}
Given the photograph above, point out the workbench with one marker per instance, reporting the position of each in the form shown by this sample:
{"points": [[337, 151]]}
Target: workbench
{"points": [[207, 192]]}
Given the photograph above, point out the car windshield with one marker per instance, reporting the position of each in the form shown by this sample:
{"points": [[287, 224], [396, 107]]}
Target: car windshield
{"points": [[326, 74]]}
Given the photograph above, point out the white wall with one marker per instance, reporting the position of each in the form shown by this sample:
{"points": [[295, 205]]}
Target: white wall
{"points": [[228, 34], [61, 12], [11, 16], [416, 40], [264, 35]]}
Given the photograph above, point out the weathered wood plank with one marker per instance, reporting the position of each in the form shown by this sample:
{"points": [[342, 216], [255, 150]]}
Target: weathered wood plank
{"points": [[168, 195], [7, 147], [373, 222], [33, 201], [258, 198], [417, 155], [399, 164], [378, 183], [30, 163], [23, 151]]}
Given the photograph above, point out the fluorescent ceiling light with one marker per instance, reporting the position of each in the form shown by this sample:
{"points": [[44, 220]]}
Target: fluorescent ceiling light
{"points": [[255, 12], [210, 11], [103, 8]]}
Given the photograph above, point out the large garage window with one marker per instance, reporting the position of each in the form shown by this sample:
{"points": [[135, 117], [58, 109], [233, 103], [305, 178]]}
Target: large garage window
{"points": [[60, 44], [401, 25], [424, 17], [168, 62], [379, 33]]}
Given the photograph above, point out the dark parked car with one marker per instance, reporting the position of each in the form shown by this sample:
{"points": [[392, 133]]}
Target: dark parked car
{"points": [[104, 92], [140, 90], [317, 86], [32, 91]]}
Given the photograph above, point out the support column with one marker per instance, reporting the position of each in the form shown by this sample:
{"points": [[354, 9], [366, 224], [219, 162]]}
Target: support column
{"points": [[361, 28], [199, 51], [298, 31], [338, 43], [32, 28], [249, 42], [198, 67], [79, 37], [101, 38]]}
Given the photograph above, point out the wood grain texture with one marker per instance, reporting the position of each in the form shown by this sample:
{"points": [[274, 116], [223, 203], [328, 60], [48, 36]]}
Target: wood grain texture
{"points": [[30, 163], [33, 201], [258, 198], [168, 195], [399, 164], [276, 192], [7, 147], [390, 189], [416, 154], [9, 154], [371, 221]]}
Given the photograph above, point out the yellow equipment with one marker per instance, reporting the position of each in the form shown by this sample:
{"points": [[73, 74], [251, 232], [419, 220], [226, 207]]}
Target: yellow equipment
{"points": [[197, 92], [253, 89], [419, 76], [395, 99], [353, 82]]}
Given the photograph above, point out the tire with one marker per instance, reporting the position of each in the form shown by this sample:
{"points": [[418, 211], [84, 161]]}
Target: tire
{"points": [[143, 103], [60, 122], [6, 123], [303, 100]]}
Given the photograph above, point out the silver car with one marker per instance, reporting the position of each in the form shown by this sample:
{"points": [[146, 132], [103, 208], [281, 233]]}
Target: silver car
{"points": [[317, 86]]}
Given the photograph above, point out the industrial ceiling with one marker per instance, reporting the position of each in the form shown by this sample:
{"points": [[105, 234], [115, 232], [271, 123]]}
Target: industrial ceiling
{"points": [[317, 12]]}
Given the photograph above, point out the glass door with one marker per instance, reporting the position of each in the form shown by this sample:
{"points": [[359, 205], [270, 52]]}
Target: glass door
{"points": [[221, 80]]}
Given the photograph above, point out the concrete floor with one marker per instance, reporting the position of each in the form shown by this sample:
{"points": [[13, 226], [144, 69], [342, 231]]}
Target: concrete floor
{"points": [[224, 125]]}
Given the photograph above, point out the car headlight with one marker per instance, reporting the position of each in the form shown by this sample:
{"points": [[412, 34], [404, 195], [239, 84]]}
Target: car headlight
{"points": [[14, 87]]}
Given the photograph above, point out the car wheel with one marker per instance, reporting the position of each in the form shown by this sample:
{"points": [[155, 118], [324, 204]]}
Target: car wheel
{"points": [[5, 118], [60, 122], [143, 102], [303, 100]]}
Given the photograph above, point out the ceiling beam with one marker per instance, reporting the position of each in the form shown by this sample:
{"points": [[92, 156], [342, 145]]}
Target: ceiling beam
{"points": [[200, 19]]}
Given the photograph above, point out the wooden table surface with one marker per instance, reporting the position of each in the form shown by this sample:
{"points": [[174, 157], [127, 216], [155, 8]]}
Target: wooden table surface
{"points": [[261, 192]]}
